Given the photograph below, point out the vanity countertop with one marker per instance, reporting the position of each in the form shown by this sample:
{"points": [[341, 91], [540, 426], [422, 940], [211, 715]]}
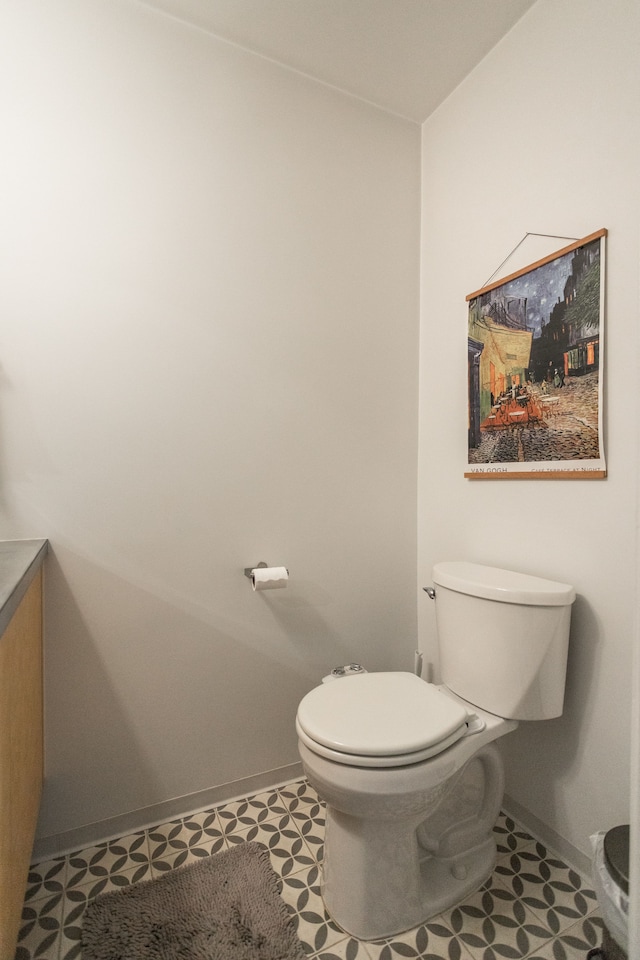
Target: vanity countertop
{"points": [[20, 561]]}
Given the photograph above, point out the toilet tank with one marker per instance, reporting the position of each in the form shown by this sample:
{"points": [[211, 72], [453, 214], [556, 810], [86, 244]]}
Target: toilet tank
{"points": [[503, 638]]}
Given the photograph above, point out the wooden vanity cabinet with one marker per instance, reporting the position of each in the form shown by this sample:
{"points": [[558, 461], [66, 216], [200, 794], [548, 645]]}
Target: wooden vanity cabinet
{"points": [[21, 756]]}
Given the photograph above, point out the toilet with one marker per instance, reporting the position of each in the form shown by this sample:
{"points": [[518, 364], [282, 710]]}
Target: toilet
{"points": [[409, 770]]}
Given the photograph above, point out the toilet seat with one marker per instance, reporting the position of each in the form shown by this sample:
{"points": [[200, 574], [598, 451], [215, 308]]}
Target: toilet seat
{"points": [[380, 720]]}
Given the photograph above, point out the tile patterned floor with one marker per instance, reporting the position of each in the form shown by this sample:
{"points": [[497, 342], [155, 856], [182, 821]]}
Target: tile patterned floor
{"points": [[533, 906]]}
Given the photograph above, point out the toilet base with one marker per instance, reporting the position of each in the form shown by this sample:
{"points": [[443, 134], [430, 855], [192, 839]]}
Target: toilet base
{"points": [[390, 901], [393, 860]]}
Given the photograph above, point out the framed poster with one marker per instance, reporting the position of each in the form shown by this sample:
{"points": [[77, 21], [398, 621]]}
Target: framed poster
{"points": [[535, 369]]}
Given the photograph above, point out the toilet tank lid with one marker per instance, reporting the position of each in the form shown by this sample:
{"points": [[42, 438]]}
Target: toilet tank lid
{"points": [[506, 586]]}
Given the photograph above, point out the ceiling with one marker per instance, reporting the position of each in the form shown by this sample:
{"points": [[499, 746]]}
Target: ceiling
{"points": [[405, 56]]}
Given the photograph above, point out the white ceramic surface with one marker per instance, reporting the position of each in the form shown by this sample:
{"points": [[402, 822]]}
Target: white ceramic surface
{"points": [[405, 842]]}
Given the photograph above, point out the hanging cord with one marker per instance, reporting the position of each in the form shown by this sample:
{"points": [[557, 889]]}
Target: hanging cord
{"points": [[552, 236]]}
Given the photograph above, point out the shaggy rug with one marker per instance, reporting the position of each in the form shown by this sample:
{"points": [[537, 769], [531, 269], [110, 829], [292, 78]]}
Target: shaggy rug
{"points": [[226, 907]]}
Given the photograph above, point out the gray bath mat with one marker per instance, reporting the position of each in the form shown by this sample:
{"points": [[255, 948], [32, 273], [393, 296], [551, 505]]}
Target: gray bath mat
{"points": [[226, 907]]}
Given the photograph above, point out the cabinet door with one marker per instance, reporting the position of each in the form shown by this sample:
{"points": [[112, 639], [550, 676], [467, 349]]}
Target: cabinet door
{"points": [[21, 758]]}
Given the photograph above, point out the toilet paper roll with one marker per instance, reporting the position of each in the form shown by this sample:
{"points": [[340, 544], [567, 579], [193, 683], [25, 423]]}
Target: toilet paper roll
{"points": [[269, 578]]}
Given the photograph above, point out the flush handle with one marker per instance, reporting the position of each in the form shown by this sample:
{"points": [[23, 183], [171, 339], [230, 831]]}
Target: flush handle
{"points": [[430, 592]]}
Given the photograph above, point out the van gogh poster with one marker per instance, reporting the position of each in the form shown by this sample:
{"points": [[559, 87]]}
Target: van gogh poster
{"points": [[535, 369]]}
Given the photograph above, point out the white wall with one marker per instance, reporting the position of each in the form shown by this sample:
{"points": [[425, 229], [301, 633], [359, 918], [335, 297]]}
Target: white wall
{"points": [[209, 291], [542, 137]]}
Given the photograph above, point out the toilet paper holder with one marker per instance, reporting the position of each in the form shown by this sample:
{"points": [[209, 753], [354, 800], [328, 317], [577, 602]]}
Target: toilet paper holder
{"points": [[248, 571]]}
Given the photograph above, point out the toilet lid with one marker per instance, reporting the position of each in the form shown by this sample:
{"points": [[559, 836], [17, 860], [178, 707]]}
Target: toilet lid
{"points": [[380, 714]]}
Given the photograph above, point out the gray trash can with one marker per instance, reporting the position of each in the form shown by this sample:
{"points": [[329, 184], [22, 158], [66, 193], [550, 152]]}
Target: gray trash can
{"points": [[611, 883]]}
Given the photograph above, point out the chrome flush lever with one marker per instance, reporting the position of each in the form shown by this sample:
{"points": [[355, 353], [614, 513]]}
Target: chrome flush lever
{"points": [[430, 592]]}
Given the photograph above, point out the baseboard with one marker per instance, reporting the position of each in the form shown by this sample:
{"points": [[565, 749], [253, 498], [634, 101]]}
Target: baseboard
{"points": [[90, 834], [541, 831]]}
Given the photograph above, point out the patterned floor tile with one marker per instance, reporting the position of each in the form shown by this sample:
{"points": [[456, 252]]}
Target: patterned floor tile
{"points": [[287, 850], [348, 949], [311, 824], [548, 887], [315, 928], [46, 879], [299, 796], [111, 858], [534, 906], [494, 923], [435, 940], [309, 814], [74, 906], [509, 836], [260, 808], [169, 861], [179, 842], [41, 928], [574, 943]]}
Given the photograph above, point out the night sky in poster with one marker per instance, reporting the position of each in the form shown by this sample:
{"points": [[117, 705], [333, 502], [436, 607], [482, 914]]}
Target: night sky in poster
{"points": [[542, 287]]}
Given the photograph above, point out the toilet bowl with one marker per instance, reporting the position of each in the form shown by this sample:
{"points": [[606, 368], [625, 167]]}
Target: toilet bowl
{"points": [[408, 833], [409, 771]]}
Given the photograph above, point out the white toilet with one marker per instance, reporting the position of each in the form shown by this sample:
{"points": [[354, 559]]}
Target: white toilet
{"points": [[412, 780]]}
